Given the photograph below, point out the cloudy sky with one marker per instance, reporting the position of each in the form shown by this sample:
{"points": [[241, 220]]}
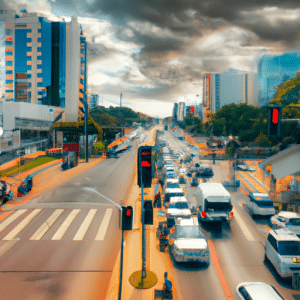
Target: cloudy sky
{"points": [[156, 51]]}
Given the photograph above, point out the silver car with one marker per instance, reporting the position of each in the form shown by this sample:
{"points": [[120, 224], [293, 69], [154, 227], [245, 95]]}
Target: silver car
{"points": [[187, 243], [287, 219]]}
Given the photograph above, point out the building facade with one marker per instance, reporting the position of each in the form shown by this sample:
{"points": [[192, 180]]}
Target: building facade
{"points": [[232, 86], [181, 111], [43, 67], [273, 70]]}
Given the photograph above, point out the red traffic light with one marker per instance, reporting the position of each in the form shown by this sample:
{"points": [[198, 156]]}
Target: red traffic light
{"points": [[145, 163], [143, 153], [128, 212], [192, 108], [275, 115]]}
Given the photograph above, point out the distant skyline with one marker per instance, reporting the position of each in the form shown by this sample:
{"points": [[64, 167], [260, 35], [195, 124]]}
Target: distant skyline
{"points": [[156, 53]]}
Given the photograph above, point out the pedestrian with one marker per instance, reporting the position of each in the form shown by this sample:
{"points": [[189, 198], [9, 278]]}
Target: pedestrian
{"points": [[159, 200], [167, 287], [156, 200]]}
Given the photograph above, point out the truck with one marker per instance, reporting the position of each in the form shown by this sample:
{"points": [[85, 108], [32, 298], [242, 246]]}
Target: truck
{"points": [[214, 202]]}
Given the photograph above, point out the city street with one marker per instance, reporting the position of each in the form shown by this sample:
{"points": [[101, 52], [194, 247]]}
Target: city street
{"points": [[63, 243]]}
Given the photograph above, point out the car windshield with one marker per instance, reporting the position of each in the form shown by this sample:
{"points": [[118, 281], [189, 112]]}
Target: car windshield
{"points": [[188, 232], [172, 185], [294, 222], [179, 205], [289, 247], [264, 203], [170, 175], [217, 205]]}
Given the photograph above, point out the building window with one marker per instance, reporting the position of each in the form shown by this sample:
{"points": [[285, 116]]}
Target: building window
{"points": [[40, 84], [9, 63], [40, 75], [8, 53], [28, 58], [39, 66], [28, 76], [8, 31], [8, 43], [9, 72]]}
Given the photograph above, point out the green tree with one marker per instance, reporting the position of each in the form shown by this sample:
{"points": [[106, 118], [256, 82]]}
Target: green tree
{"points": [[288, 92], [262, 140]]}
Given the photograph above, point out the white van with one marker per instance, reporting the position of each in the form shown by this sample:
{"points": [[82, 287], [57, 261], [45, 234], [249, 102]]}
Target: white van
{"points": [[283, 251], [214, 202], [261, 205]]}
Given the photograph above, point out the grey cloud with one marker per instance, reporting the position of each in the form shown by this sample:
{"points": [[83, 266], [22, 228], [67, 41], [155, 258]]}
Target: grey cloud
{"points": [[97, 51]]}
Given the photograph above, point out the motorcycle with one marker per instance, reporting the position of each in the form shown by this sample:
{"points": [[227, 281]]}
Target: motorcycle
{"points": [[5, 192]]}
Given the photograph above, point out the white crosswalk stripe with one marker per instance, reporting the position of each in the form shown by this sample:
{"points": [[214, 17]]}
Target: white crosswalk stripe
{"points": [[65, 225], [104, 225], [85, 225], [47, 225], [21, 226], [11, 218]]}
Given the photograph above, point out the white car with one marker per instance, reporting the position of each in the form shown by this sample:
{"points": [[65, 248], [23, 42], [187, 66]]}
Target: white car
{"points": [[287, 219], [261, 205], [256, 291], [282, 249], [178, 207], [187, 243]]}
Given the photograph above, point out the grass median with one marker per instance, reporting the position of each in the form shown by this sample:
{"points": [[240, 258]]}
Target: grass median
{"points": [[27, 166]]}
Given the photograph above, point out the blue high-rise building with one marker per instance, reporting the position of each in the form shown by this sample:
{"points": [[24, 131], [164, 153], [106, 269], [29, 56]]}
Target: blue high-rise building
{"points": [[273, 70]]}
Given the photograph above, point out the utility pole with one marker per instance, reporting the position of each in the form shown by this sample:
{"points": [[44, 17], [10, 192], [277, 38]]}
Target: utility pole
{"points": [[121, 99]]}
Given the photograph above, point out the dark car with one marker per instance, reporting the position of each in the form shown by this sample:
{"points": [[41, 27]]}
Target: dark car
{"points": [[205, 170], [194, 182], [181, 179]]}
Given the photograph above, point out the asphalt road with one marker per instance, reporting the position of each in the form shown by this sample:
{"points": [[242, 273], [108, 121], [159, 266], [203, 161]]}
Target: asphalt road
{"points": [[239, 249], [63, 244]]}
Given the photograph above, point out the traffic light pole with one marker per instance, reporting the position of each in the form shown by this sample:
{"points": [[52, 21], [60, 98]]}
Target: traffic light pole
{"points": [[121, 267], [143, 236]]}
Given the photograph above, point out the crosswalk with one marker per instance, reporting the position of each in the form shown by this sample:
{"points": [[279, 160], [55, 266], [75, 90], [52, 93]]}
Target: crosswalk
{"points": [[54, 224]]}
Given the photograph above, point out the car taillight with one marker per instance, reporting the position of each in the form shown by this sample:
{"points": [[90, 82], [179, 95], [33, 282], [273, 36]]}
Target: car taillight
{"points": [[203, 215], [231, 214], [63, 160]]}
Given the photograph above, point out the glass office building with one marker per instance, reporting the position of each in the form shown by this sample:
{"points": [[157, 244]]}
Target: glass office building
{"points": [[273, 70]]}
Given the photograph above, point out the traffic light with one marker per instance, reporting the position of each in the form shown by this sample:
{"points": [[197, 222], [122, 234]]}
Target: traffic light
{"points": [[274, 120], [145, 166], [148, 212], [127, 217]]}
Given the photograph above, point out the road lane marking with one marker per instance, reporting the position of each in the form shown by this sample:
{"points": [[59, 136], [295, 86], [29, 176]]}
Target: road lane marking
{"points": [[65, 225], [46, 225], [10, 219], [21, 225], [219, 271], [7, 246], [85, 225], [247, 233], [104, 225]]}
